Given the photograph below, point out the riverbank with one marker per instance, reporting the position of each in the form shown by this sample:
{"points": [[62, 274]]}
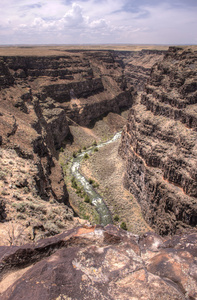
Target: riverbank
{"points": [[81, 138], [107, 168]]}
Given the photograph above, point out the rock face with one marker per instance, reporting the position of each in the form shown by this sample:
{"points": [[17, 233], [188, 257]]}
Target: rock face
{"points": [[137, 66], [87, 84], [38, 95], [160, 144], [100, 263]]}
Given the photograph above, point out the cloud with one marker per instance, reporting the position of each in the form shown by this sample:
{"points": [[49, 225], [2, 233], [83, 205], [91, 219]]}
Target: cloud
{"points": [[93, 21]]}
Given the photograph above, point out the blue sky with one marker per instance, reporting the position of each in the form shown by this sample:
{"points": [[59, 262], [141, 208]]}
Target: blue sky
{"points": [[98, 22]]}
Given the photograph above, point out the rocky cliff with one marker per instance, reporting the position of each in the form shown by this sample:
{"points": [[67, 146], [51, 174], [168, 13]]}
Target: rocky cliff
{"points": [[100, 263], [38, 94], [137, 66], [87, 84], [160, 143]]}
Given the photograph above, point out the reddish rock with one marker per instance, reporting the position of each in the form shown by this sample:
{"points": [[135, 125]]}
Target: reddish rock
{"points": [[98, 263], [159, 144]]}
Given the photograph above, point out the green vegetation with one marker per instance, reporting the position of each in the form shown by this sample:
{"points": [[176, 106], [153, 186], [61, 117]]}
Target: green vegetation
{"points": [[94, 143], [2, 175], [95, 150], [80, 191], [84, 148], [20, 207], [87, 199], [95, 185], [73, 182], [91, 181], [21, 216], [51, 228], [61, 149], [116, 218], [123, 226], [74, 154], [86, 156]]}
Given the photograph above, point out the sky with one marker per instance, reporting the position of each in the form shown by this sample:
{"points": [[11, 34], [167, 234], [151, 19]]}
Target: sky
{"points": [[98, 22]]}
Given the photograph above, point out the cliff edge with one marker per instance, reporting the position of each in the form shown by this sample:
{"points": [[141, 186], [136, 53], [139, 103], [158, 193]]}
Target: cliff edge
{"points": [[160, 144]]}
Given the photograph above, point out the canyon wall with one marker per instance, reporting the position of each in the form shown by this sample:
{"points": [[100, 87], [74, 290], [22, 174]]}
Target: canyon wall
{"points": [[137, 66], [87, 84], [159, 144], [39, 94]]}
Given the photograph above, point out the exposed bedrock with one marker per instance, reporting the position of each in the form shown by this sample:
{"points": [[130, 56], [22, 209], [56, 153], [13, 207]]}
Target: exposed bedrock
{"points": [[100, 263], [137, 65], [87, 84], [35, 137], [160, 144]]}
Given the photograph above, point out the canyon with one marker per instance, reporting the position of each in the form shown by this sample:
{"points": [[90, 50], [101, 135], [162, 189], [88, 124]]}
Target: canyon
{"points": [[57, 101], [160, 144]]}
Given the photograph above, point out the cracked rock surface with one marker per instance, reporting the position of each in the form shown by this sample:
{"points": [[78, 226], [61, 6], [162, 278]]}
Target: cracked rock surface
{"points": [[101, 263]]}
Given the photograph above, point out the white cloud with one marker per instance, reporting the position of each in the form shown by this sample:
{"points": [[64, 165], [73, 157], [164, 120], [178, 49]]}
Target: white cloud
{"points": [[90, 21]]}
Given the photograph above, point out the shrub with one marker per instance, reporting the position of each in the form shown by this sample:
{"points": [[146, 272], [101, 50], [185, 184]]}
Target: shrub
{"points": [[87, 199], [60, 224], [2, 175], [91, 181], [26, 190], [94, 143], [95, 185], [74, 183], [20, 207], [123, 226], [74, 154], [51, 228], [84, 148], [86, 156], [96, 149], [20, 216], [79, 151], [78, 190], [116, 218], [61, 149]]}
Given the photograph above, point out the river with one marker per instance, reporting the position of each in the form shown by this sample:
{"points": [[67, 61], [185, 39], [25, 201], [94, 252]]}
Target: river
{"points": [[96, 199]]}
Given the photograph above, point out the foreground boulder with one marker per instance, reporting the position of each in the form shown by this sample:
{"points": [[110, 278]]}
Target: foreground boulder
{"points": [[100, 263]]}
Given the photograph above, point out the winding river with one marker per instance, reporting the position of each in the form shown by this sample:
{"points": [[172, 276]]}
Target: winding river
{"points": [[96, 199]]}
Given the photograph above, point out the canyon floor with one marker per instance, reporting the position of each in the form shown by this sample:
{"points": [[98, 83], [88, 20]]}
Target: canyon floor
{"points": [[106, 168]]}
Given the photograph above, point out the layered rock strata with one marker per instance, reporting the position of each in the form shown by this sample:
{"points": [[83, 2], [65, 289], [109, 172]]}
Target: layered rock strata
{"points": [[100, 263], [160, 144], [87, 84], [38, 94], [137, 66]]}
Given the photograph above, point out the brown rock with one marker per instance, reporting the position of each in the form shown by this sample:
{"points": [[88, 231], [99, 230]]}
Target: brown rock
{"points": [[98, 263], [159, 143]]}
